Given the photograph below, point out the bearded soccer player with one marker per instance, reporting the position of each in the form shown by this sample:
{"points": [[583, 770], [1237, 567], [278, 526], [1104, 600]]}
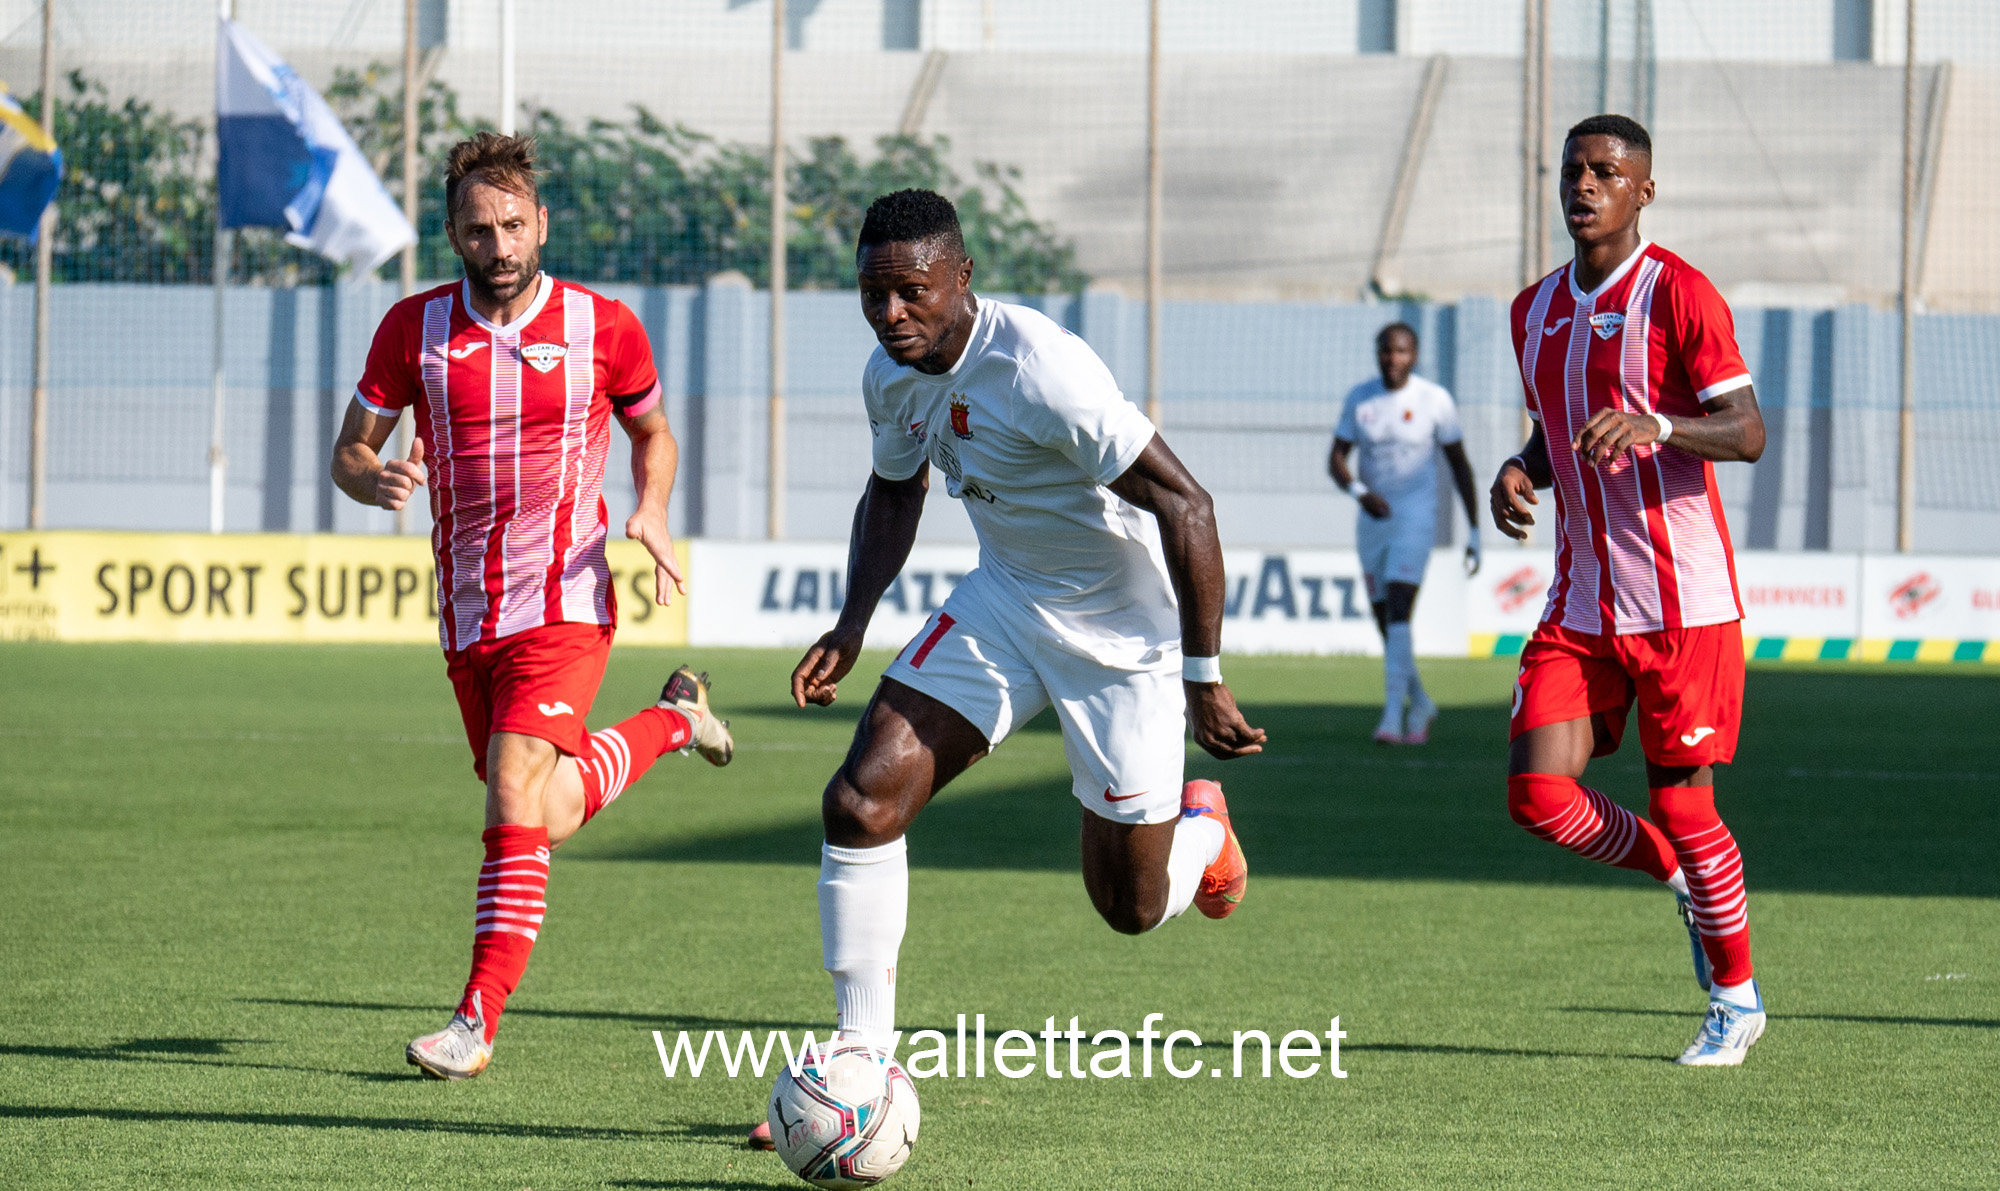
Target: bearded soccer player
{"points": [[1637, 389], [515, 378], [1099, 591], [1400, 422]]}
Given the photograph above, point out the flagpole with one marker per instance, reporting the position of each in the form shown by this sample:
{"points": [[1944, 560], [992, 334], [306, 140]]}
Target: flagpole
{"points": [[217, 462], [506, 67], [412, 195], [38, 433]]}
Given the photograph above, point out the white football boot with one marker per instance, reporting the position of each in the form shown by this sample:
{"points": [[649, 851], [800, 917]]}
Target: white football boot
{"points": [[459, 1051], [1726, 1034]]}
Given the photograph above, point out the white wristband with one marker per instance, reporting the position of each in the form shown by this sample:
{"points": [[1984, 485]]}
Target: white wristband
{"points": [[1357, 489], [1666, 427], [1201, 669]]}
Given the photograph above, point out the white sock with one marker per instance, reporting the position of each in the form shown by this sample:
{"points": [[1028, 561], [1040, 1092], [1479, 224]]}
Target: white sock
{"points": [[1743, 996], [1678, 883], [1197, 842], [864, 904], [1398, 670]]}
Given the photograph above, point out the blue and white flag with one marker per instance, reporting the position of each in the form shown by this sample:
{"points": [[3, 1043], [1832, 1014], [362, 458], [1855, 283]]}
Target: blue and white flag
{"points": [[287, 162], [30, 168]]}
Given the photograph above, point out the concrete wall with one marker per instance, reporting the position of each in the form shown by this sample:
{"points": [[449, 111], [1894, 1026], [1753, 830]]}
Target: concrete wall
{"points": [[1251, 392]]}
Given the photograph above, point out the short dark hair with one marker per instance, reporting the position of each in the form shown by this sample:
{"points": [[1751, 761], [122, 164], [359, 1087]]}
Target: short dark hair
{"points": [[1625, 128], [909, 217], [1382, 335], [507, 162]]}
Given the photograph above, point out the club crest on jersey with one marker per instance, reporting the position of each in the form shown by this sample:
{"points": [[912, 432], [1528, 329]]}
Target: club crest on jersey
{"points": [[1607, 325], [961, 415], [544, 356]]}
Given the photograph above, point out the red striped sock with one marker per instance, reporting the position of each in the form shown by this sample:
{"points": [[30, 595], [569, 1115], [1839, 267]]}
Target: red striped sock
{"points": [[621, 755], [1579, 818], [1714, 871], [513, 893]]}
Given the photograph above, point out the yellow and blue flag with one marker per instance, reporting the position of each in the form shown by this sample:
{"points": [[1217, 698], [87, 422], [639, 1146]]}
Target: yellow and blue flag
{"points": [[30, 168]]}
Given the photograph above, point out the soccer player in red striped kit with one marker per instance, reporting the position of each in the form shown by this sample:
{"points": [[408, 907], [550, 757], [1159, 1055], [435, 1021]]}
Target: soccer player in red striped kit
{"points": [[1634, 380], [515, 378]]}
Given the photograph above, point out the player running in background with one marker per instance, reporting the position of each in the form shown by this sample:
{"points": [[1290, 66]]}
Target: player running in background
{"points": [[1099, 590], [1636, 385], [514, 378], [1400, 421]]}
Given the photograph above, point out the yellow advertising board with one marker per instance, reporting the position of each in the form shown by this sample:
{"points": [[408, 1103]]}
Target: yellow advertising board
{"points": [[70, 585]]}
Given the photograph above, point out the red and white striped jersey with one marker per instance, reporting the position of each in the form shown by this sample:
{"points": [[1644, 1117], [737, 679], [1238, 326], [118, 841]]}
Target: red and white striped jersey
{"points": [[516, 424], [1641, 543]]}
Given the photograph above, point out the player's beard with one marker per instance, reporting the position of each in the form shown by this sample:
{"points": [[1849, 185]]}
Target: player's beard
{"points": [[528, 272]]}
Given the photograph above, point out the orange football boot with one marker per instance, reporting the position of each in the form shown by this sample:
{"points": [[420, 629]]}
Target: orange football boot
{"points": [[1221, 888]]}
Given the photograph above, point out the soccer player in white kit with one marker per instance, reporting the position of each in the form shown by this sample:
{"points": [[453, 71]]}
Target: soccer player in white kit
{"points": [[1099, 591], [1399, 421]]}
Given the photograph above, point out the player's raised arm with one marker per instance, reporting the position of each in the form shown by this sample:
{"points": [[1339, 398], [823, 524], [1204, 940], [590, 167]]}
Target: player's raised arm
{"points": [[885, 528], [358, 467], [1730, 431], [1158, 483]]}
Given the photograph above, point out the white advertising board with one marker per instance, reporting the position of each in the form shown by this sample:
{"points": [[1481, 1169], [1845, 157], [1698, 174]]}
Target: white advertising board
{"points": [[788, 593], [1929, 597], [1507, 596], [1800, 595], [1293, 601]]}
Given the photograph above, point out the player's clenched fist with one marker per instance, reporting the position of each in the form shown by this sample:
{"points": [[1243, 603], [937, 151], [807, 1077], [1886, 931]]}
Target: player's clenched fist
{"points": [[817, 679], [1219, 727], [1510, 489], [401, 478]]}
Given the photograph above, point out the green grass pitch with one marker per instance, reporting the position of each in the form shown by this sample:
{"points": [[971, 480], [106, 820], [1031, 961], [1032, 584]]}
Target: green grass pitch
{"points": [[236, 881]]}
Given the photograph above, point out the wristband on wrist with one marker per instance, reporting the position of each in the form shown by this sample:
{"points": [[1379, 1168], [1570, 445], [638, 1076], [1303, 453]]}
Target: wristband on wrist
{"points": [[1666, 427], [1357, 489], [1201, 669]]}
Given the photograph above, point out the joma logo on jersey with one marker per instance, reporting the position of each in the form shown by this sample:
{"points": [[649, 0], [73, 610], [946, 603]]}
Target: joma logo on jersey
{"points": [[961, 415], [544, 356], [1607, 325]]}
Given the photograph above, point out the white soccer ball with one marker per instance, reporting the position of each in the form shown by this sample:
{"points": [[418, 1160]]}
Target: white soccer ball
{"points": [[848, 1119]]}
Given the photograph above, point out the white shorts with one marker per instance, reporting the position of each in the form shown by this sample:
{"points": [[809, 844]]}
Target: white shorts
{"points": [[1124, 731], [1395, 549]]}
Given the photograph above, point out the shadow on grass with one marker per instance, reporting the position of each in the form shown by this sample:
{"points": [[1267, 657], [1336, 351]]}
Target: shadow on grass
{"points": [[1505, 1052], [1956, 1023], [660, 1021], [1846, 782], [288, 1120], [701, 1184], [149, 1050]]}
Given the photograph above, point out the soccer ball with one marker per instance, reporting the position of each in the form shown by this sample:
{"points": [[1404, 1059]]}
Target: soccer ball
{"points": [[847, 1119]]}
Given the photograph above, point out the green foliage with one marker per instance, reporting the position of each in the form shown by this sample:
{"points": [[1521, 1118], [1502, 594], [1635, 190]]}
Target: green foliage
{"points": [[640, 200]]}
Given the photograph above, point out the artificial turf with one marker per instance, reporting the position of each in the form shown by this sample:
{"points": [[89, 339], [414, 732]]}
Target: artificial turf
{"points": [[236, 881]]}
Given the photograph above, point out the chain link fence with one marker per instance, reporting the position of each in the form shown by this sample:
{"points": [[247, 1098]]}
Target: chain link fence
{"points": [[1326, 166]]}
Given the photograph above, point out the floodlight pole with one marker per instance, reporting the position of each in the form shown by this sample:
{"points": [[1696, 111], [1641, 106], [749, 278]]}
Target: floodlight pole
{"points": [[1906, 456], [218, 464], [38, 420], [774, 462], [1154, 209], [507, 101]]}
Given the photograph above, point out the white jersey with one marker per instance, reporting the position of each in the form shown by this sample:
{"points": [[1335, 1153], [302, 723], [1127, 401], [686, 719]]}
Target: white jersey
{"points": [[1028, 428], [1396, 434]]}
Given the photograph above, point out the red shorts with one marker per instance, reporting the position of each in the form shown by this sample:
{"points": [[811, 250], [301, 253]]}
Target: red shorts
{"points": [[538, 682], [1688, 684]]}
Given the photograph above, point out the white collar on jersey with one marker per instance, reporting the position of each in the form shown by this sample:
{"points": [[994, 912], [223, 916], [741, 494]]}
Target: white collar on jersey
{"points": [[519, 324], [1616, 276]]}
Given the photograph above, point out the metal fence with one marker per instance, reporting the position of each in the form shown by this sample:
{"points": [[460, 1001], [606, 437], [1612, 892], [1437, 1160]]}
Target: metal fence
{"points": [[1259, 158]]}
